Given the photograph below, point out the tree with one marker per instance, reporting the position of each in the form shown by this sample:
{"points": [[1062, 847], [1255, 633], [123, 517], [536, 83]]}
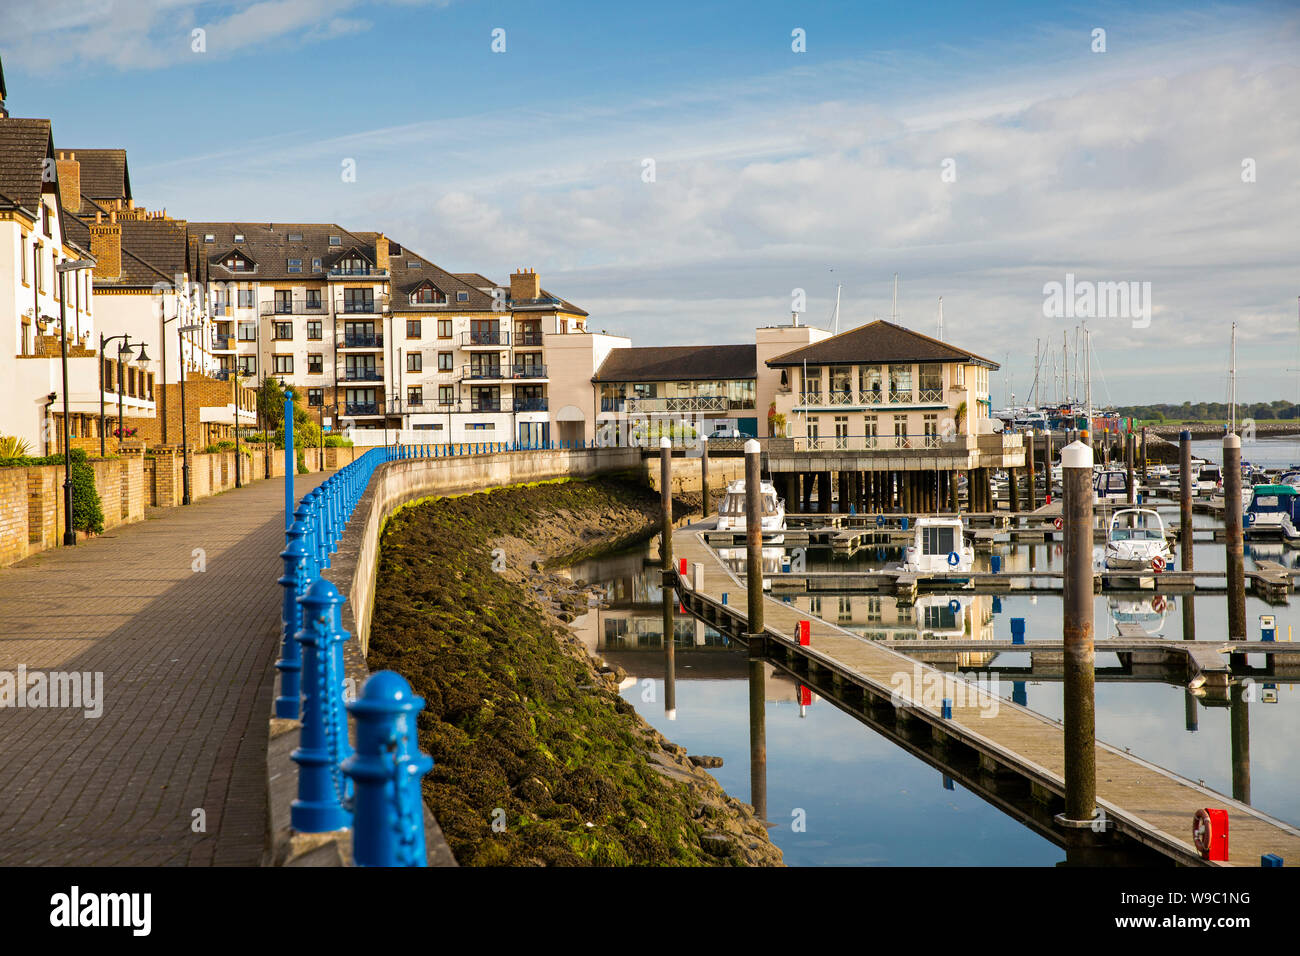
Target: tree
{"points": [[270, 403]]}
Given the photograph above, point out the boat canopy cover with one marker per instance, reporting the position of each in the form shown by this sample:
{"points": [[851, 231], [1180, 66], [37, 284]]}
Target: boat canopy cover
{"points": [[1275, 490]]}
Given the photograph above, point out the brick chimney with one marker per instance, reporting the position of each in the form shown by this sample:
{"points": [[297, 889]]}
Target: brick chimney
{"points": [[381, 253], [524, 284], [69, 171], [106, 246]]}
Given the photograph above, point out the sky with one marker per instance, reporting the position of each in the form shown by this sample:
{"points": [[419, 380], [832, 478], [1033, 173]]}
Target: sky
{"points": [[680, 170]]}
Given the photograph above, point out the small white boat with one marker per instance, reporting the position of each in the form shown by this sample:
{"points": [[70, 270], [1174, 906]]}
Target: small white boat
{"points": [[1271, 511], [1136, 542], [939, 546], [1208, 479], [731, 512]]}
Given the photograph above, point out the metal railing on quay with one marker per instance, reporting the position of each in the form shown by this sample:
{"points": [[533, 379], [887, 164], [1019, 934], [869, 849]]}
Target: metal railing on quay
{"points": [[374, 790]]}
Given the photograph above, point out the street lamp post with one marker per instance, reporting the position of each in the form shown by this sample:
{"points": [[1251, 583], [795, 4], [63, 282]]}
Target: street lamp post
{"points": [[185, 433], [63, 268], [103, 343]]}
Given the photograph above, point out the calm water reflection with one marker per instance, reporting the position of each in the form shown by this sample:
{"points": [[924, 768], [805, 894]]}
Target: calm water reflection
{"points": [[865, 801]]}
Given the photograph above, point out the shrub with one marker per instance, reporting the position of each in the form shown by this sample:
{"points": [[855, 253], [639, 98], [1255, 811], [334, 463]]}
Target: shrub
{"points": [[87, 514], [11, 446]]}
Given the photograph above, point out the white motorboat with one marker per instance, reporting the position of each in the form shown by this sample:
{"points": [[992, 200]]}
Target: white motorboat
{"points": [[939, 546], [731, 512], [1208, 479], [737, 561], [1110, 485], [1136, 542]]}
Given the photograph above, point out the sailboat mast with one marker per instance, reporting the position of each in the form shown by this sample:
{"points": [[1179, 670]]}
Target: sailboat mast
{"points": [[940, 318], [1087, 344], [838, 286], [1232, 397], [893, 316]]}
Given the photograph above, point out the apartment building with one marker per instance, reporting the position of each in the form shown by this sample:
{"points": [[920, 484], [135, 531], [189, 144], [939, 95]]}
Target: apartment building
{"points": [[36, 236], [380, 338]]}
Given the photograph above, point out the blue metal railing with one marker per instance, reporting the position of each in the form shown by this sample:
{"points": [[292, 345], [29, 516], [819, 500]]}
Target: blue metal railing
{"points": [[374, 792]]}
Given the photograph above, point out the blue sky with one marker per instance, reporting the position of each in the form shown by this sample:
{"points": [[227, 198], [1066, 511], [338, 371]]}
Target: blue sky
{"points": [[772, 168]]}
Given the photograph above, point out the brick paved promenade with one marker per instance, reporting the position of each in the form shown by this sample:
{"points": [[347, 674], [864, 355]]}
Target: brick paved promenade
{"points": [[187, 659]]}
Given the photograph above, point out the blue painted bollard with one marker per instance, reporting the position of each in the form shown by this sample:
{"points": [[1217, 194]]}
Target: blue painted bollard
{"points": [[322, 789], [995, 563], [1270, 859], [946, 711], [724, 598], [386, 771], [294, 582], [1019, 694], [1017, 630]]}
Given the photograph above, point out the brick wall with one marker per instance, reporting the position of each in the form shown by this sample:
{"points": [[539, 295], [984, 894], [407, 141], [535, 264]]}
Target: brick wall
{"points": [[31, 499], [14, 529]]}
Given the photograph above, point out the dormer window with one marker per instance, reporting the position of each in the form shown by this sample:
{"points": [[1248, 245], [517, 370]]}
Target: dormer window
{"points": [[294, 265], [336, 241], [316, 265], [237, 263], [209, 237], [462, 296], [239, 237], [427, 294]]}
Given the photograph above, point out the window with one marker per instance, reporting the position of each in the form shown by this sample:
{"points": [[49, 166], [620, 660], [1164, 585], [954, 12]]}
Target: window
{"points": [[412, 328], [295, 237], [209, 237], [481, 426], [415, 396], [414, 362], [247, 298], [239, 237], [23, 257], [446, 394], [444, 361], [283, 364], [358, 300], [284, 301], [315, 364], [314, 329], [335, 241], [462, 296], [294, 265], [247, 332], [444, 328], [316, 266], [248, 364], [428, 295], [313, 299], [283, 330], [315, 397]]}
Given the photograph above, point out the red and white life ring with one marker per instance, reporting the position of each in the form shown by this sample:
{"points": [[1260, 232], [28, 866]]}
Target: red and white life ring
{"points": [[1057, 523], [1158, 563]]}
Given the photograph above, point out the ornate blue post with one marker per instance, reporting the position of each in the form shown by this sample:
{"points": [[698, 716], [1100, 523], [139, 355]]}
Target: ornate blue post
{"points": [[322, 790], [386, 770], [294, 583]]}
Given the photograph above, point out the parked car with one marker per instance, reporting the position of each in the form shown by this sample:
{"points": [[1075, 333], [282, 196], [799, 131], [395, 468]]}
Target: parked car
{"points": [[725, 431]]}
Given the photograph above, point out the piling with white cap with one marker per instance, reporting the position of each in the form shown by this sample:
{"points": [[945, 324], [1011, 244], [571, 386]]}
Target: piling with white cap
{"points": [[1080, 651]]}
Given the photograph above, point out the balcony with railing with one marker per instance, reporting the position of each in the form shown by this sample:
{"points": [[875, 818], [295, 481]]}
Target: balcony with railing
{"points": [[300, 306], [528, 371], [896, 442], [700, 403], [223, 343], [363, 375], [481, 373], [362, 271], [361, 305], [497, 338], [485, 404], [355, 409], [530, 405], [528, 338], [360, 340]]}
